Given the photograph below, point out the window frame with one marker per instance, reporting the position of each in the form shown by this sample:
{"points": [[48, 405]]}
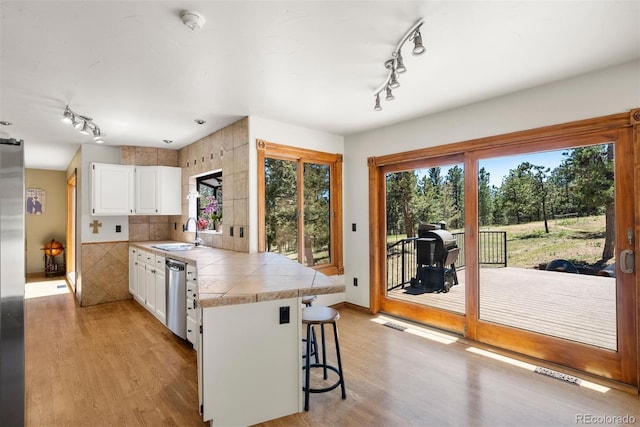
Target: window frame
{"points": [[268, 149]]}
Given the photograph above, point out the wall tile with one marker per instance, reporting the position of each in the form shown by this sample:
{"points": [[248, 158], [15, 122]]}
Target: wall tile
{"points": [[139, 232], [146, 156], [128, 155], [167, 157], [241, 158], [241, 185]]}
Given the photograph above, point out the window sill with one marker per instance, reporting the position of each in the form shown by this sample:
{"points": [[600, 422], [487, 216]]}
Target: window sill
{"points": [[210, 232]]}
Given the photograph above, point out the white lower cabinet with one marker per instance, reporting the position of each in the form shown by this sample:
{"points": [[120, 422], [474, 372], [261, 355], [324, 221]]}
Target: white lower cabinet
{"points": [[248, 356], [193, 318], [160, 290], [147, 281], [133, 258]]}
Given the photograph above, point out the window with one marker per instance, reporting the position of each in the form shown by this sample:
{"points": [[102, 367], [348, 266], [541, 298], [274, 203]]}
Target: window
{"points": [[300, 205], [209, 204]]}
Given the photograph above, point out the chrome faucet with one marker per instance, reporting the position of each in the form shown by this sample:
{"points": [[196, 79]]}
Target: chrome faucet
{"points": [[198, 240]]}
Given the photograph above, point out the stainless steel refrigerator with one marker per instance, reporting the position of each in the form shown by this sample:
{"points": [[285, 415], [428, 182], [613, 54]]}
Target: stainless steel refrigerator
{"points": [[12, 281]]}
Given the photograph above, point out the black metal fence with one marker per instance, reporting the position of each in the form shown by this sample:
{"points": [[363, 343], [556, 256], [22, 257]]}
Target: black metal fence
{"points": [[401, 255]]}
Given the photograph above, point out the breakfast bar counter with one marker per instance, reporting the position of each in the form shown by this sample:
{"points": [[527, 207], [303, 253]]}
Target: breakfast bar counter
{"points": [[227, 278], [249, 311]]}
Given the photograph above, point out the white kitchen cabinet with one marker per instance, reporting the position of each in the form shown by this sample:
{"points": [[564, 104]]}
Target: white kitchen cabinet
{"points": [[112, 189], [130, 190], [141, 273], [133, 258], [193, 320], [158, 190], [149, 286], [248, 356], [160, 290]]}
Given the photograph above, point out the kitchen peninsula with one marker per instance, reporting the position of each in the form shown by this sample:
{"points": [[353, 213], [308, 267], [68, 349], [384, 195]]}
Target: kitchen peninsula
{"points": [[249, 310]]}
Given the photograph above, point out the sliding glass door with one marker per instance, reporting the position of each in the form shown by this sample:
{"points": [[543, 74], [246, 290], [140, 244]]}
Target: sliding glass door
{"points": [[545, 244]]}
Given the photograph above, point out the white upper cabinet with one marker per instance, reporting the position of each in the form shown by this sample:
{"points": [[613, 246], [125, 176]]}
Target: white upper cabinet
{"points": [[112, 189], [158, 190], [130, 190]]}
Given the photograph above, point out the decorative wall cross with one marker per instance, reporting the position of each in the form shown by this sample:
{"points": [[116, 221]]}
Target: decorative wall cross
{"points": [[95, 224]]}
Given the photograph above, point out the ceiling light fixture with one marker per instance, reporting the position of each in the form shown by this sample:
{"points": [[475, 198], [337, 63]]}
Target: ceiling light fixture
{"points": [[395, 65], [82, 123]]}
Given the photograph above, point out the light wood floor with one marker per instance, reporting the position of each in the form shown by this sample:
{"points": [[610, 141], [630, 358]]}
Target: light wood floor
{"points": [[114, 364]]}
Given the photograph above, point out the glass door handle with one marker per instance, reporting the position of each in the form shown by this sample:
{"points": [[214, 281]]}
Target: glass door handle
{"points": [[626, 261]]}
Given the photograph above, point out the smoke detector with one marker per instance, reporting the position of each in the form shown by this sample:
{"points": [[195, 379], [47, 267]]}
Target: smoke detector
{"points": [[192, 19]]}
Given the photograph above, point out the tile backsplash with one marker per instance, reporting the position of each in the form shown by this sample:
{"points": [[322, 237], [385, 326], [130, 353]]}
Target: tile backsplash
{"points": [[226, 150]]}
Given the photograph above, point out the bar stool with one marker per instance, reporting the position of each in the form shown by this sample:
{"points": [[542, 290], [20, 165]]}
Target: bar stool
{"points": [[307, 301], [312, 316]]}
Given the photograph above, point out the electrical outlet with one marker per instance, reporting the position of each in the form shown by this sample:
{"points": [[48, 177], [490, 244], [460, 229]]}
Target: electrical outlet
{"points": [[284, 315], [241, 231], [355, 281], [353, 227], [118, 229]]}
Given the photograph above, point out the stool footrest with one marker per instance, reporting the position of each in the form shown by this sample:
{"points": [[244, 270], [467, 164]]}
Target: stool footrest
{"points": [[329, 388]]}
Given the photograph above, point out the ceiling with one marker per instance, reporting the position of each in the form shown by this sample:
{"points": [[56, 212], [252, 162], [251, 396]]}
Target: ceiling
{"points": [[145, 77]]}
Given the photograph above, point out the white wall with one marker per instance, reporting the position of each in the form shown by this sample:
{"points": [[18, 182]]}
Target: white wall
{"points": [[608, 91], [107, 232], [295, 136]]}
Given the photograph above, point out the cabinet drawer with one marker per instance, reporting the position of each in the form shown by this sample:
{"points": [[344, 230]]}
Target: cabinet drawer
{"points": [[192, 290], [192, 276], [192, 329], [159, 264]]}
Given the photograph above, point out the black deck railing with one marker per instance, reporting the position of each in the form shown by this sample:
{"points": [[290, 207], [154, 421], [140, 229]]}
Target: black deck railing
{"points": [[401, 255]]}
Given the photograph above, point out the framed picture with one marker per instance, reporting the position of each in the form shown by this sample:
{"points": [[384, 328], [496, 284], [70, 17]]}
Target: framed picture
{"points": [[36, 201]]}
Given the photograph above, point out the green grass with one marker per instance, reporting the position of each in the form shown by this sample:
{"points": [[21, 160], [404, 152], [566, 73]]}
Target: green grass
{"points": [[579, 240]]}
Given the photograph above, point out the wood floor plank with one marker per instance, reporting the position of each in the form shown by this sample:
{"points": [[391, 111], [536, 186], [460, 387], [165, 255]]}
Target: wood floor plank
{"points": [[115, 365]]}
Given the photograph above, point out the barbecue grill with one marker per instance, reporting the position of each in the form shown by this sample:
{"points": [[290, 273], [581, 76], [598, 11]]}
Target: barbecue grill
{"points": [[436, 255]]}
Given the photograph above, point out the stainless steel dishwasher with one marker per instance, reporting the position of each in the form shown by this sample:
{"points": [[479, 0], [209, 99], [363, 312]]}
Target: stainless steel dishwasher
{"points": [[176, 279]]}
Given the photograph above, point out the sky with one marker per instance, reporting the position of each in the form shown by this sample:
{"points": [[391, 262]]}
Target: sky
{"points": [[499, 167]]}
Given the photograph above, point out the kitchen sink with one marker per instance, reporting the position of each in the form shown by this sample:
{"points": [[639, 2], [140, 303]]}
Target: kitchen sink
{"points": [[174, 247]]}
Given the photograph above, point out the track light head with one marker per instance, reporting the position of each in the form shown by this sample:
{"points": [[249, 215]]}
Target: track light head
{"points": [[67, 116], [77, 124], [393, 81], [418, 48], [400, 68], [390, 96], [378, 107], [85, 129]]}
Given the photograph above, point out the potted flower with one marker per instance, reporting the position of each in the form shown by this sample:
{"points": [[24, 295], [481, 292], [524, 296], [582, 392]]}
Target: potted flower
{"points": [[212, 211], [202, 223]]}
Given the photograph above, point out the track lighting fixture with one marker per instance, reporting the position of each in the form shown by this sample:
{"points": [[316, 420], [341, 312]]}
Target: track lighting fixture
{"points": [[82, 123], [395, 65]]}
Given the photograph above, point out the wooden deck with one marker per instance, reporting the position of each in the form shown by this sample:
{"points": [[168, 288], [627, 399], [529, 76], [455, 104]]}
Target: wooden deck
{"points": [[575, 307]]}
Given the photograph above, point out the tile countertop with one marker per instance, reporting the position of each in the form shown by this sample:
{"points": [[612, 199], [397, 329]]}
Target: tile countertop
{"points": [[227, 277]]}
